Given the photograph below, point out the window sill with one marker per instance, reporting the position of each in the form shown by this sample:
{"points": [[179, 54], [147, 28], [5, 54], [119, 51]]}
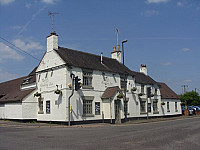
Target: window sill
{"points": [[88, 115], [143, 113], [40, 112], [87, 87], [156, 112]]}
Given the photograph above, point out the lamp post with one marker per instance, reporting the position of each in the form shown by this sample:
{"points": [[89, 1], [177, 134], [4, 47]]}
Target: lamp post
{"points": [[125, 87], [124, 41]]}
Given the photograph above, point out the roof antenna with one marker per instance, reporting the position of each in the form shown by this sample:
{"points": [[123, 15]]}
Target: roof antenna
{"points": [[52, 14], [117, 32]]}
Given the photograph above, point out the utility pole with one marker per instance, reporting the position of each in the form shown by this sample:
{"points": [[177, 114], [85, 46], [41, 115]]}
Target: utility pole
{"points": [[69, 107], [184, 91]]}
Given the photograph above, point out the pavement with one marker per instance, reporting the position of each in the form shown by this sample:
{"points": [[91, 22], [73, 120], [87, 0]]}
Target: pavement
{"points": [[34, 124]]}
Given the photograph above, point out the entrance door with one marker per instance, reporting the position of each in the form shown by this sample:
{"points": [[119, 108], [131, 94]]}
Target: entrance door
{"points": [[117, 112]]}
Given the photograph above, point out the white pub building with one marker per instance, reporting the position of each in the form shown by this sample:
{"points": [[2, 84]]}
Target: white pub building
{"points": [[110, 92]]}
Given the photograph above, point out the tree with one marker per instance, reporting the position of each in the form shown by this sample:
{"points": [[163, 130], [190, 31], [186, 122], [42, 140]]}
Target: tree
{"points": [[191, 98]]}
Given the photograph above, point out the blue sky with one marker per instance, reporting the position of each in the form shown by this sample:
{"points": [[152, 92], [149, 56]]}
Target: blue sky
{"points": [[163, 34]]}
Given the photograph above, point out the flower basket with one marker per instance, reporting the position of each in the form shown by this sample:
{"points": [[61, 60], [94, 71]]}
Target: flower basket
{"points": [[133, 89], [37, 94], [163, 103], [152, 95], [58, 91], [121, 95], [141, 94]]}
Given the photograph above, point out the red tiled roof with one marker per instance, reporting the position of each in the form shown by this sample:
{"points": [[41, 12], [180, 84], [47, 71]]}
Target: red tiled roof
{"points": [[10, 91], [166, 92], [109, 92]]}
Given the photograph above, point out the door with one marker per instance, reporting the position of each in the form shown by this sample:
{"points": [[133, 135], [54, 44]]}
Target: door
{"points": [[117, 112]]}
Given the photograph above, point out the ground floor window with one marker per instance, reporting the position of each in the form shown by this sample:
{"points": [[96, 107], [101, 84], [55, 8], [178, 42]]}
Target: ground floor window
{"points": [[97, 108], [142, 106], [168, 110], [87, 105], [176, 107], [126, 106], [48, 107], [40, 104], [155, 106]]}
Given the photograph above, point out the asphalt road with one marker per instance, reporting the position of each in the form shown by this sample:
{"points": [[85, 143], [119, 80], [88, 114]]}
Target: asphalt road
{"points": [[170, 135]]}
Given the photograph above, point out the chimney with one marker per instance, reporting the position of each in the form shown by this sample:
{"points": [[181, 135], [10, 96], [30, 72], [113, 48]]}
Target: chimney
{"points": [[143, 69], [116, 54], [52, 42]]}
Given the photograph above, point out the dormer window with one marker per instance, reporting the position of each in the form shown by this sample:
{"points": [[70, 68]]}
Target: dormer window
{"points": [[87, 79]]}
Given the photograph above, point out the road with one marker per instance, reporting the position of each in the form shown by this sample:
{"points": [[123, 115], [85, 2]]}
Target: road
{"points": [[167, 135]]}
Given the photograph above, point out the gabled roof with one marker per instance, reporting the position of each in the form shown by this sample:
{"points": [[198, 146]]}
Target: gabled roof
{"points": [[90, 61], [143, 79], [166, 92], [10, 91], [110, 92]]}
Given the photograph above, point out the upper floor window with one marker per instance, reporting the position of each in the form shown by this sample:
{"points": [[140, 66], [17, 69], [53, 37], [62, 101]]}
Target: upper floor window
{"points": [[142, 88], [87, 78], [123, 81], [156, 92]]}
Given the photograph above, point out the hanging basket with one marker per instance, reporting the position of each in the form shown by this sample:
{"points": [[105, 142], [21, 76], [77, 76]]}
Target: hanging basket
{"points": [[58, 92], [141, 94], [121, 95], [152, 95], [37, 94], [133, 89], [163, 103]]}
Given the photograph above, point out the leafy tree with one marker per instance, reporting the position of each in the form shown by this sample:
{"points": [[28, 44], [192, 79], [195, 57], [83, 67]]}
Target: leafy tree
{"points": [[191, 98]]}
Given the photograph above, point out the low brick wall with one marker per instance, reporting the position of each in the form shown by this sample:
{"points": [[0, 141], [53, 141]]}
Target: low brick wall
{"points": [[197, 112]]}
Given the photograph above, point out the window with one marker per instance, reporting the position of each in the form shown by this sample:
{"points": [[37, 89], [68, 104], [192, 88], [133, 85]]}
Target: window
{"points": [[149, 107], [40, 103], [126, 105], [156, 91], [176, 107], [87, 106], [48, 107], [46, 75], [142, 106], [97, 108], [168, 107], [39, 78], [155, 106], [87, 78], [123, 81], [142, 88]]}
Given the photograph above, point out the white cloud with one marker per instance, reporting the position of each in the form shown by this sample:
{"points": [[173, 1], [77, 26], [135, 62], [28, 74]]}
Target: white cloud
{"points": [[180, 4], [5, 76], [157, 1], [186, 49], [167, 64], [17, 27], [187, 81], [49, 1], [149, 13], [32, 18], [28, 5], [27, 45], [8, 53], [6, 2]]}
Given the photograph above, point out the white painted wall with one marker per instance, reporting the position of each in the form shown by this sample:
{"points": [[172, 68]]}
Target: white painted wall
{"points": [[11, 111]]}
